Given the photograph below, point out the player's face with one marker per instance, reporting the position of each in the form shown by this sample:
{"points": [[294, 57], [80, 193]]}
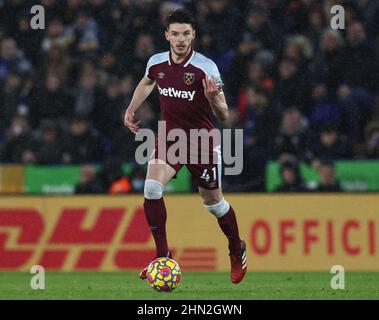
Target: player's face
{"points": [[180, 36]]}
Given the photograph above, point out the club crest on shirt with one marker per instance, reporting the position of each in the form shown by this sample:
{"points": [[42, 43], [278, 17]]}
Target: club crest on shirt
{"points": [[189, 78]]}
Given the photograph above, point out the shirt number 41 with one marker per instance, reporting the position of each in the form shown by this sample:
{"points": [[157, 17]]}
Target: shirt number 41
{"points": [[206, 176]]}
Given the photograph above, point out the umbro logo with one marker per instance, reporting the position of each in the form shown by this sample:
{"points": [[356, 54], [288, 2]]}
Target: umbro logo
{"points": [[161, 75]]}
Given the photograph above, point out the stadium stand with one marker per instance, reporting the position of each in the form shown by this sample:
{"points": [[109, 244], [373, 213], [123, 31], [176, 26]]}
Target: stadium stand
{"points": [[296, 87]]}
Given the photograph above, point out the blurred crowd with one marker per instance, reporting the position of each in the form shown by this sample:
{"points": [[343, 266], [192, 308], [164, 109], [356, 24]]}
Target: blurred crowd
{"points": [[300, 90]]}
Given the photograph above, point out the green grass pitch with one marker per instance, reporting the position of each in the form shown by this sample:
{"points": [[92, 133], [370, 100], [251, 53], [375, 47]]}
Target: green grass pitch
{"points": [[195, 285]]}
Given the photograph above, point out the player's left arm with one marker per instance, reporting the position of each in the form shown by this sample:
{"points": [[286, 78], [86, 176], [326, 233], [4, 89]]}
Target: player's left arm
{"points": [[216, 98]]}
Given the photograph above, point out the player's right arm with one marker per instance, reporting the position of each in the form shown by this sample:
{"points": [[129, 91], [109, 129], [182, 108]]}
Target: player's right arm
{"points": [[140, 94]]}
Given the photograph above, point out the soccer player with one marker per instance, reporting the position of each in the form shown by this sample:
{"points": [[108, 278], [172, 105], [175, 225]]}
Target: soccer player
{"points": [[190, 90]]}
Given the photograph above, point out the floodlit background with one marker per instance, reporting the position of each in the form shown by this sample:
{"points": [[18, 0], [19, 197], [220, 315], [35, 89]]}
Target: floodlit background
{"points": [[306, 96]]}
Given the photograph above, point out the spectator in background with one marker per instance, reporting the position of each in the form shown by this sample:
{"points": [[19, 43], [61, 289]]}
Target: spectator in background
{"points": [[372, 140], [10, 11], [124, 144], [88, 181], [237, 76], [144, 49], [257, 76], [16, 97], [108, 65], [27, 39], [254, 167], [88, 67], [221, 13], [326, 110], [102, 12], [331, 145], [164, 10], [107, 108], [259, 114], [291, 177], [353, 11], [333, 70], [83, 34], [20, 146], [293, 88], [9, 98], [293, 136], [28, 94], [137, 179], [329, 64], [12, 59], [113, 178], [328, 180], [127, 86], [56, 35], [299, 49], [201, 8], [53, 102], [371, 18], [87, 93], [259, 36], [317, 22], [50, 145], [57, 62], [71, 9], [259, 28], [145, 114], [53, 8], [82, 144], [294, 16], [139, 17], [361, 68], [358, 106]]}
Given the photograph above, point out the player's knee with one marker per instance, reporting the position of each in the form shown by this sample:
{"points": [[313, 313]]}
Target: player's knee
{"points": [[153, 189], [219, 209]]}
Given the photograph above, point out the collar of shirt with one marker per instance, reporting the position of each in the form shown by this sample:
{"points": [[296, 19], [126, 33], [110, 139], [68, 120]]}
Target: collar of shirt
{"points": [[185, 62]]}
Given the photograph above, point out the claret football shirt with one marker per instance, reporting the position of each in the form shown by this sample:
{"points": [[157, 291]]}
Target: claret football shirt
{"points": [[181, 93]]}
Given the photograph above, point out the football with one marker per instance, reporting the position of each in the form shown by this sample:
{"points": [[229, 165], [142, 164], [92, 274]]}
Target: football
{"points": [[164, 274]]}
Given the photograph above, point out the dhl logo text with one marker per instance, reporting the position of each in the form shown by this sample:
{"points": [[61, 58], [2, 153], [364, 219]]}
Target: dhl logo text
{"points": [[26, 239], [111, 233]]}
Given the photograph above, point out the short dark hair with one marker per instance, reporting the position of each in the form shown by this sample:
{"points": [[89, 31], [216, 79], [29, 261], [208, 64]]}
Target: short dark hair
{"points": [[290, 164], [180, 16], [327, 163], [328, 128]]}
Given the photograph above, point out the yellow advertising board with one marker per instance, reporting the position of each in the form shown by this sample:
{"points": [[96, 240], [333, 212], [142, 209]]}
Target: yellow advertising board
{"points": [[12, 178], [282, 232]]}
